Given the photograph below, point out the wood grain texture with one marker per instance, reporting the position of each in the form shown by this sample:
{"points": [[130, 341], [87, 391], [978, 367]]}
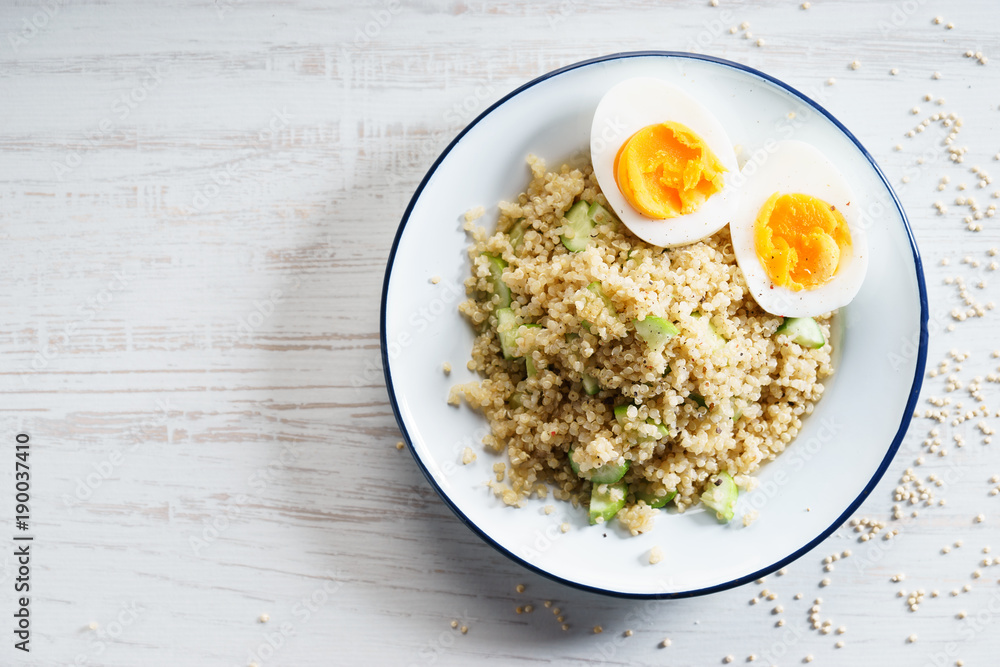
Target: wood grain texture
{"points": [[197, 202]]}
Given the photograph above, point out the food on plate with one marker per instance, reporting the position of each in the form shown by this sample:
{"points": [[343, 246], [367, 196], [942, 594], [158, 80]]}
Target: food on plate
{"points": [[797, 235], [663, 160], [622, 376], [667, 169]]}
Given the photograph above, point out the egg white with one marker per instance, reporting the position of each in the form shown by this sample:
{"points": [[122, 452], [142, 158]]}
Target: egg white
{"points": [[797, 167], [632, 105]]}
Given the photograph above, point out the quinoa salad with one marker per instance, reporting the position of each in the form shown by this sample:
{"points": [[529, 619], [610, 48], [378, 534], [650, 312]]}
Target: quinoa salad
{"points": [[624, 377]]}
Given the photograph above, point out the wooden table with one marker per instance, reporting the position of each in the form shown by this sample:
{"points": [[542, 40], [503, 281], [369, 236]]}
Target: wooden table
{"points": [[197, 204]]}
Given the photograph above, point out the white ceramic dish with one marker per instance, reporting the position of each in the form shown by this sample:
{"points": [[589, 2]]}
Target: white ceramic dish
{"points": [[811, 489]]}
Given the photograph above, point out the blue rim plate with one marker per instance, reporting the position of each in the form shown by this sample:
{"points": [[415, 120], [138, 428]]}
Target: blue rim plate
{"points": [[805, 494]]}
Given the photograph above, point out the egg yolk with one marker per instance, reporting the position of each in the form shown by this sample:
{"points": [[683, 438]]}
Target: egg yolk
{"points": [[667, 170], [800, 240]]}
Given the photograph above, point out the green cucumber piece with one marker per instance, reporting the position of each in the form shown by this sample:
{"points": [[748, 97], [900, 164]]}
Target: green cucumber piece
{"points": [[705, 329], [590, 384], [655, 331], [579, 225], [597, 288], [516, 235], [599, 215], [720, 495], [609, 473], [529, 362], [803, 330], [516, 400], [654, 500], [737, 410], [497, 265], [604, 505], [507, 325]]}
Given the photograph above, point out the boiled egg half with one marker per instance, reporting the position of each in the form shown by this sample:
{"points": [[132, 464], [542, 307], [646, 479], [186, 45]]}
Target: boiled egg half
{"points": [[664, 162], [797, 236]]}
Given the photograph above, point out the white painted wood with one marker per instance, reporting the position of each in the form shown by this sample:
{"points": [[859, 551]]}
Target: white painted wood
{"points": [[215, 240]]}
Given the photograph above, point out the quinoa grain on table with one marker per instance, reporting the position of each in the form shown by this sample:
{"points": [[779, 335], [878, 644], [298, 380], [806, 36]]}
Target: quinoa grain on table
{"points": [[764, 379]]}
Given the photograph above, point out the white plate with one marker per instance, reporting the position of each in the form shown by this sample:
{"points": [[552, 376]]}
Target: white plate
{"points": [[811, 489]]}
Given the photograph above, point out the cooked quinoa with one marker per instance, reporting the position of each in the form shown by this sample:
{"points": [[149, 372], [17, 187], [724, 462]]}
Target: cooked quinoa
{"points": [[694, 387]]}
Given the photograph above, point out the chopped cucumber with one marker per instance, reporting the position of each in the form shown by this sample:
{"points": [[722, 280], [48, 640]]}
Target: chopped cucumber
{"points": [[589, 384], [598, 289], [720, 495], [579, 226], [655, 331], [516, 235], [497, 265], [529, 362], [599, 215], [621, 412], [609, 473], [654, 500], [803, 330], [516, 400], [705, 329], [574, 466], [507, 325], [737, 409], [605, 501]]}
